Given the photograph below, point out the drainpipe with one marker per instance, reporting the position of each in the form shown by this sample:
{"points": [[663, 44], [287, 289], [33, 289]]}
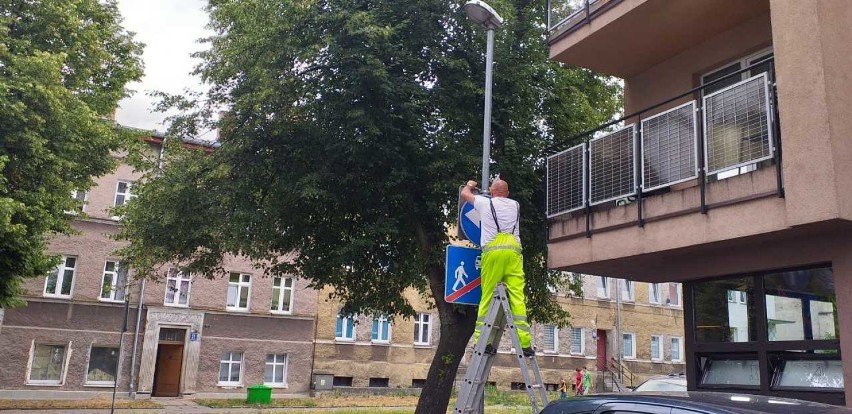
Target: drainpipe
{"points": [[132, 391], [619, 339]]}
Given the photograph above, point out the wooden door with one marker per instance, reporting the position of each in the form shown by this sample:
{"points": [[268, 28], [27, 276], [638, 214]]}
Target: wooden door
{"points": [[601, 350], [168, 370]]}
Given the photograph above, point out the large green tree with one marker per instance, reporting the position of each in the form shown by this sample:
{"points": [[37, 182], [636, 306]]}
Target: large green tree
{"points": [[63, 68], [350, 125]]}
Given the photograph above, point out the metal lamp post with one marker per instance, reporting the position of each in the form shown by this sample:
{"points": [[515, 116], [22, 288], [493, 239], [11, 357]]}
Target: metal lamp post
{"points": [[480, 12]]}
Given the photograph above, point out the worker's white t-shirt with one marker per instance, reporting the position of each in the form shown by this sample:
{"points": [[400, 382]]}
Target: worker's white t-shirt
{"points": [[507, 216]]}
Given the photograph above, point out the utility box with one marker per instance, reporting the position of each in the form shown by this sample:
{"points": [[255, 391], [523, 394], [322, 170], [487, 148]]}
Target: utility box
{"points": [[323, 382], [259, 394]]}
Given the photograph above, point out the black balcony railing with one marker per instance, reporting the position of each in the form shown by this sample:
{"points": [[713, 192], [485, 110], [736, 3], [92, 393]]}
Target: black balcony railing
{"points": [[566, 15], [722, 131]]}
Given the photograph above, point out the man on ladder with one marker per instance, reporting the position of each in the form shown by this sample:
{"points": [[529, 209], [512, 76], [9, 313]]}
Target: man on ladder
{"points": [[501, 256]]}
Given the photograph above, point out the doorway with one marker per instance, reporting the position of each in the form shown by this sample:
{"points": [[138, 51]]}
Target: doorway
{"points": [[601, 353], [167, 372]]}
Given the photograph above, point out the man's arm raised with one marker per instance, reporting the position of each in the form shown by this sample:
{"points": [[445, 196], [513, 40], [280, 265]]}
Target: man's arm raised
{"points": [[467, 193]]}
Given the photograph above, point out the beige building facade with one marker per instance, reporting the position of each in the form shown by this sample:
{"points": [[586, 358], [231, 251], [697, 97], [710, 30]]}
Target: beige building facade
{"points": [[728, 175]]}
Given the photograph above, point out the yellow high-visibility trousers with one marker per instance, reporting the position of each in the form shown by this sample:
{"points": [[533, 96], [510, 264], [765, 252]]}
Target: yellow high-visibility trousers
{"points": [[502, 262]]}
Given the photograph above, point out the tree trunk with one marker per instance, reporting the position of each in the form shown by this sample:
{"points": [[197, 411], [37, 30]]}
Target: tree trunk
{"points": [[457, 324]]}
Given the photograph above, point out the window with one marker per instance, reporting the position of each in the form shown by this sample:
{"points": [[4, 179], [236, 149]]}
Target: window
{"points": [[341, 382], [239, 289], [603, 287], [47, 364], [654, 293], [114, 283], [801, 304], [628, 345], [81, 198], [578, 341], [676, 350], [122, 193], [177, 288], [59, 282], [418, 383], [275, 373], [551, 339], [723, 311], [103, 362], [627, 291], [231, 368], [381, 330], [656, 351], [345, 330], [282, 295], [674, 295], [422, 329], [379, 382]]}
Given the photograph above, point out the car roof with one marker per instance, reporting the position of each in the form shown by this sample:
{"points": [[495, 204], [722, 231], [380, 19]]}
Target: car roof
{"points": [[707, 402]]}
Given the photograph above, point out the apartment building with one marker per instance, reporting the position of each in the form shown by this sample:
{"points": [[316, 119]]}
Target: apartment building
{"points": [[186, 335], [373, 351], [729, 173]]}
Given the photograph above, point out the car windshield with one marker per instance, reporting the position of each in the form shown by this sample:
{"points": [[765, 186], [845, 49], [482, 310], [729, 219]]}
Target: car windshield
{"points": [[662, 385]]}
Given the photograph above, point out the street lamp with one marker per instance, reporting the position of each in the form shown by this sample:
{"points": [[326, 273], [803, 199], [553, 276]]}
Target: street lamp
{"points": [[480, 12]]}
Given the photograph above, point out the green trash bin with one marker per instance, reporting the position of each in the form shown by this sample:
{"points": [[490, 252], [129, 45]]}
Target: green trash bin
{"points": [[259, 394]]}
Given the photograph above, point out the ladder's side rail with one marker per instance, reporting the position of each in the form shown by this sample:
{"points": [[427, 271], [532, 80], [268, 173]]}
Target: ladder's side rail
{"points": [[519, 353]]}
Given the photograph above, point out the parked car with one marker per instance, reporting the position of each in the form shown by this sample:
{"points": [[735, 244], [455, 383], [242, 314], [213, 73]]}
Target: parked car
{"points": [[672, 382], [688, 403]]}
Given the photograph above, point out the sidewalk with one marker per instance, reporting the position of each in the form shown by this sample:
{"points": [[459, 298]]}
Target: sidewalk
{"points": [[185, 406]]}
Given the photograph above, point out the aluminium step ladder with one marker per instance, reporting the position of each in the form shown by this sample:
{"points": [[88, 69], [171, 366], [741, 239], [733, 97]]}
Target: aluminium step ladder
{"points": [[471, 399]]}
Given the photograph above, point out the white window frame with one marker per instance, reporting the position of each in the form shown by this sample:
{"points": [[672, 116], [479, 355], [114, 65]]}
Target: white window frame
{"points": [[654, 299], [239, 285], [632, 343], [602, 285], [274, 364], [679, 293], [420, 326], [114, 274], [86, 381], [62, 371], [382, 321], [555, 348], [659, 339], [628, 290], [60, 279], [178, 277], [679, 340], [230, 363], [128, 194], [582, 341], [282, 290], [83, 203], [344, 338]]}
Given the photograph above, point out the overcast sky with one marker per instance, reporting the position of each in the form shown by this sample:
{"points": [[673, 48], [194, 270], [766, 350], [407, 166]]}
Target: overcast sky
{"points": [[170, 30]]}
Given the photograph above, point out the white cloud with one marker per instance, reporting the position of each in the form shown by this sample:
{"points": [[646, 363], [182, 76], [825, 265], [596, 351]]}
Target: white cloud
{"points": [[170, 30]]}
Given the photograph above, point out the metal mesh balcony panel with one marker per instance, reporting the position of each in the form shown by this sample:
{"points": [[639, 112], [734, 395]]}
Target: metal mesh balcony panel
{"points": [[736, 125], [566, 180], [669, 147], [612, 165]]}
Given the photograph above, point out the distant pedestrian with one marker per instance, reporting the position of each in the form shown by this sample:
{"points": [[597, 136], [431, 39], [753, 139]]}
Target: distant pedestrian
{"points": [[578, 382], [563, 388], [587, 381]]}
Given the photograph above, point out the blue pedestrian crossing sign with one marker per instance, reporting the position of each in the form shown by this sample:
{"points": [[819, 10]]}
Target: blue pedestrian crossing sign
{"points": [[469, 222], [462, 283]]}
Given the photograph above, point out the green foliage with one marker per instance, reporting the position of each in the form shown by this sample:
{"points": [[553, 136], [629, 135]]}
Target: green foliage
{"points": [[350, 126], [63, 67]]}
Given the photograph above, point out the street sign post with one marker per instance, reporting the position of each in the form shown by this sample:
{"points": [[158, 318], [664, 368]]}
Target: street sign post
{"points": [[469, 222], [461, 285]]}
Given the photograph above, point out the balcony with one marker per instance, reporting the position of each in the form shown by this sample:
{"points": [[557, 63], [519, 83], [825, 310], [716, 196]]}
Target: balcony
{"points": [[711, 147], [625, 37]]}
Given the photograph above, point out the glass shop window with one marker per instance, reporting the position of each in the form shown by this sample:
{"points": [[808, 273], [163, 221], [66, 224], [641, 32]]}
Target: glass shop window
{"points": [[801, 304], [724, 311]]}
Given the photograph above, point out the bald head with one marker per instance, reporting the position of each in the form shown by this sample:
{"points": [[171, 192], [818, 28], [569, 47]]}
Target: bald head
{"points": [[499, 188]]}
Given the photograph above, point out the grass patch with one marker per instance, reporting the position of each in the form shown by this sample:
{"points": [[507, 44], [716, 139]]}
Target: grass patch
{"points": [[74, 404]]}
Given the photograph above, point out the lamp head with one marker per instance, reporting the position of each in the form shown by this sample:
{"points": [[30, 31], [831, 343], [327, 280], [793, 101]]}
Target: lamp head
{"points": [[480, 12]]}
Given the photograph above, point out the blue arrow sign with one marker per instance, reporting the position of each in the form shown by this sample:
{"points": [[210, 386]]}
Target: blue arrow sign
{"points": [[469, 222], [461, 285]]}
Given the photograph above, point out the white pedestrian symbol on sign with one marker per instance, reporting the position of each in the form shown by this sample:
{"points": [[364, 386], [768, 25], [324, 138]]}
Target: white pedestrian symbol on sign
{"points": [[460, 276]]}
